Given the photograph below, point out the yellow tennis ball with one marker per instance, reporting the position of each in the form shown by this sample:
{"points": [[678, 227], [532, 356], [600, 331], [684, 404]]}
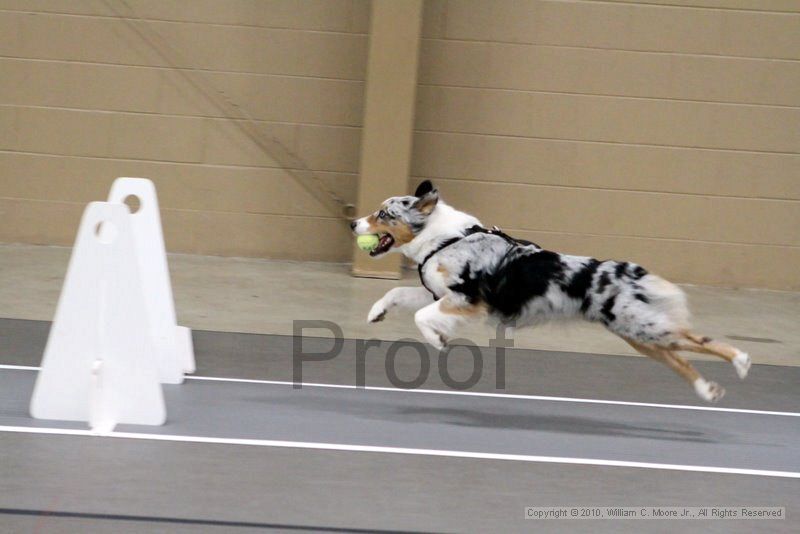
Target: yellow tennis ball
{"points": [[367, 242]]}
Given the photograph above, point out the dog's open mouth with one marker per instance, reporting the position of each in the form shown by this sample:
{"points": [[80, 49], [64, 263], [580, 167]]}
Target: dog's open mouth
{"points": [[385, 242]]}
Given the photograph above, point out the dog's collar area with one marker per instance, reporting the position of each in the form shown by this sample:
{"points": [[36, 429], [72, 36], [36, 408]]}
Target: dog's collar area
{"points": [[476, 229]]}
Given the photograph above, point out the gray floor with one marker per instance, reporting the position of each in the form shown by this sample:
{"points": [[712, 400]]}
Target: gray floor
{"points": [[529, 372], [455, 423], [88, 484]]}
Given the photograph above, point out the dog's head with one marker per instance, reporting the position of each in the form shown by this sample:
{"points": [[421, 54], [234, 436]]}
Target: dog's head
{"points": [[399, 219]]}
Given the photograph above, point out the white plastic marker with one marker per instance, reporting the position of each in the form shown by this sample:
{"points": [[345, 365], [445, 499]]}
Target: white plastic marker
{"points": [[173, 343], [99, 363]]}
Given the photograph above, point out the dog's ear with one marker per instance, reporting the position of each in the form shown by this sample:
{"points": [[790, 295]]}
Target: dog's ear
{"points": [[427, 197], [423, 189]]}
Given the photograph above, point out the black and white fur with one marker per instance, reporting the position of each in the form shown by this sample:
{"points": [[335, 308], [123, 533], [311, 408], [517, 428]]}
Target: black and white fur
{"points": [[485, 275]]}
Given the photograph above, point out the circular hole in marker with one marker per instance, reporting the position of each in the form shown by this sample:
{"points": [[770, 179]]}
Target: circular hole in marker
{"points": [[133, 202], [106, 232]]}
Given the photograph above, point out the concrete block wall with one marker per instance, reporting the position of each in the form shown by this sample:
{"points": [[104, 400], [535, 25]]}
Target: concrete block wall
{"points": [[85, 98], [662, 132]]}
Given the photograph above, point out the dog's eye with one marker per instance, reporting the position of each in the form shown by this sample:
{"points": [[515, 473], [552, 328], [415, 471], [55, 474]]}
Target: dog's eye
{"points": [[381, 214]]}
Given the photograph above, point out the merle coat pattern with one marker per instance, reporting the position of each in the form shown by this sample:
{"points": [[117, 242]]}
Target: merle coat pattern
{"points": [[468, 272]]}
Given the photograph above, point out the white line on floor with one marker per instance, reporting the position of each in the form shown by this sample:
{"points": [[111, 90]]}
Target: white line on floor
{"points": [[502, 396], [403, 450], [473, 394]]}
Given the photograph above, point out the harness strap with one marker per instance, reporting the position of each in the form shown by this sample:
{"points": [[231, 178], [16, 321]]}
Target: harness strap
{"points": [[472, 230], [444, 245]]}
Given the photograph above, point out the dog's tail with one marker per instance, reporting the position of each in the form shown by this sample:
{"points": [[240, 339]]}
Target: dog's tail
{"points": [[667, 299]]}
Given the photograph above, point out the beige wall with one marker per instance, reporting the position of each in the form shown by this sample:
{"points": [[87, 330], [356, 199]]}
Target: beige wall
{"points": [[84, 98], [664, 134], [389, 105]]}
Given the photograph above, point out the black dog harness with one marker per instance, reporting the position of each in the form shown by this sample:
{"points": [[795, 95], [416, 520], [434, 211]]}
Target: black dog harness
{"points": [[473, 230]]}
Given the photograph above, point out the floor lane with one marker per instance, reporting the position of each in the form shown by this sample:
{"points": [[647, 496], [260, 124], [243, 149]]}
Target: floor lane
{"points": [[247, 411]]}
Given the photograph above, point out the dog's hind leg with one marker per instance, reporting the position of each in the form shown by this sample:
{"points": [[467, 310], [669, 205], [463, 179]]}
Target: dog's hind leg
{"points": [[706, 390], [705, 345], [438, 321]]}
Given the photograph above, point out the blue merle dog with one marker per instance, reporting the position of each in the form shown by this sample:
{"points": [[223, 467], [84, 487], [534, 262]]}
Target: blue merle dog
{"points": [[470, 272]]}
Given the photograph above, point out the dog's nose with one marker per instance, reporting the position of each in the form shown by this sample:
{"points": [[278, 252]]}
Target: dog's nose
{"points": [[353, 225]]}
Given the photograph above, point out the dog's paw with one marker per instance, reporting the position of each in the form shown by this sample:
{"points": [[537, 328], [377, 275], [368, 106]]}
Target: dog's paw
{"points": [[434, 338], [377, 313], [708, 391], [438, 342], [742, 362]]}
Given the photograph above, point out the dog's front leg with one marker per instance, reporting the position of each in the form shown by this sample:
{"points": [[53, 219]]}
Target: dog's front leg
{"points": [[438, 321], [411, 298]]}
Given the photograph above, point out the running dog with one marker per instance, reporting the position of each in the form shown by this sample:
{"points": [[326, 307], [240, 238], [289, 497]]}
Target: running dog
{"points": [[469, 272]]}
